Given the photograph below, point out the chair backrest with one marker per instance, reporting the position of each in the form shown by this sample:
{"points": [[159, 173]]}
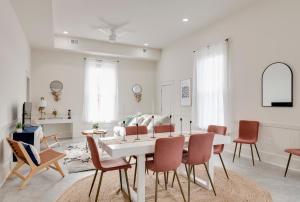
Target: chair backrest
{"points": [[19, 151], [221, 130], [164, 128], [200, 147], [133, 130], [94, 152], [248, 130], [168, 153]]}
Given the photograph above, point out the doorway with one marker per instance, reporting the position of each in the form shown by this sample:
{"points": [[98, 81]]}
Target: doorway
{"points": [[166, 97]]}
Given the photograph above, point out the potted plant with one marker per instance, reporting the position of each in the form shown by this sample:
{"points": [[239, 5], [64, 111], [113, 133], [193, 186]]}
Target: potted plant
{"points": [[19, 127], [96, 126]]}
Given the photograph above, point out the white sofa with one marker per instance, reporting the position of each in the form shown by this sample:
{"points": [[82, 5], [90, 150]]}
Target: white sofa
{"points": [[142, 120]]}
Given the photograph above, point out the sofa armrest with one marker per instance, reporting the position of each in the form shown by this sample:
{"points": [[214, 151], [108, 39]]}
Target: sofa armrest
{"points": [[119, 131]]}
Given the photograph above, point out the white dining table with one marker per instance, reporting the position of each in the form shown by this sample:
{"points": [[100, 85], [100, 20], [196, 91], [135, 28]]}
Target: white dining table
{"points": [[116, 147]]}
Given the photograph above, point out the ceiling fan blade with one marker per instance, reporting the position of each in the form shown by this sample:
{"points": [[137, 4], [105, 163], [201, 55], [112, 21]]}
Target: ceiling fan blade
{"points": [[104, 31], [104, 21], [118, 26]]}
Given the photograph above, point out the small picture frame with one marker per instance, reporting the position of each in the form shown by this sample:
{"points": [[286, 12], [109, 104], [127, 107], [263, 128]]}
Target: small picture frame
{"points": [[186, 92]]}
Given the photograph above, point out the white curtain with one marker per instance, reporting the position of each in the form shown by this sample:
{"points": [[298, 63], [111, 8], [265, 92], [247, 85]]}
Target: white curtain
{"points": [[211, 86], [100, 91]]}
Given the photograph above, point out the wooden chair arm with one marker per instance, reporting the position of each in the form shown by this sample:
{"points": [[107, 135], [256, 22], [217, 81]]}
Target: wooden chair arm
{"points": [[51, 136], [54, 135]]}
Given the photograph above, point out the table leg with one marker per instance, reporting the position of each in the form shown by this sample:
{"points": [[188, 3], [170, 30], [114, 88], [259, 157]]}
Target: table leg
{"points": [[210, 167], [141, 178], [138, 196]]}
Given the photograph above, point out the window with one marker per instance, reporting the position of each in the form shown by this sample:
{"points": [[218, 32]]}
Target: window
{"points": [[211, 86], [100, 91]]}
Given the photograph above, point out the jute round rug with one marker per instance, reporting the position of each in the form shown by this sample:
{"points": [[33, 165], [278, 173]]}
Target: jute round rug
{"points": [[236, 189]]}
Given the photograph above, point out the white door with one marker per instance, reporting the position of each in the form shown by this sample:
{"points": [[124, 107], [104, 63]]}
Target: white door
{"points": [[166, 93]]}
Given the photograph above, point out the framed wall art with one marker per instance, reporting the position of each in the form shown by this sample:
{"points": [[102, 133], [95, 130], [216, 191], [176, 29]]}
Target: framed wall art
{"points": [[186, 92]]}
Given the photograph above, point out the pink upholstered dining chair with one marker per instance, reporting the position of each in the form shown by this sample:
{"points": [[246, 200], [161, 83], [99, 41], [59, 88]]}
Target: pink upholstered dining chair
{"points": [[164, 128], [105, 166], [199, 152], [218, 149], [248, 134], [291, 152], [167, 157], [134, 130]]}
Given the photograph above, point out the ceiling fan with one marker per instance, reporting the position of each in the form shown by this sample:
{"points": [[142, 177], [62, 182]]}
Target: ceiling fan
{"points": [[112, 30]]}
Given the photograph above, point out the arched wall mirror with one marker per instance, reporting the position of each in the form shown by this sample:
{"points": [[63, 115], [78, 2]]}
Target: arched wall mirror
{"points": [[277, 86]]}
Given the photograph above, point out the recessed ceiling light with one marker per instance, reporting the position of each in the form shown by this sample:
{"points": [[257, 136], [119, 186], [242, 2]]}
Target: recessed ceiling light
{"points": [[185, 19], [146, 44], [66, 32]]}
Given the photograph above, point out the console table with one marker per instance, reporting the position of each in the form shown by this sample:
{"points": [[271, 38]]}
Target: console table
{"points": [[55, 121]]}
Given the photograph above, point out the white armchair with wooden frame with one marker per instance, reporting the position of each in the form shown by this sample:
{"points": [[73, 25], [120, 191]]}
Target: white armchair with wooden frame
{"points": [[49, 159]]}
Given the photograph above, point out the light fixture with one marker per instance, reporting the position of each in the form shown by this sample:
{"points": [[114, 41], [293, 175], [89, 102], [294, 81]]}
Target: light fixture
{"points": [[185, 19], [66, 32], [146, 44], [42, 107]]}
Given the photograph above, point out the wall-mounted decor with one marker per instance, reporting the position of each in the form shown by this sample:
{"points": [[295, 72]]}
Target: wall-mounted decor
{"points": [[186, 92], [137, 92], [277, 86], [56, 89]]}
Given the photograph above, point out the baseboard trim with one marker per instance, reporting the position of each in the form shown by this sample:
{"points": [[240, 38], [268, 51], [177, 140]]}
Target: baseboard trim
{"points": [[278, 160]]}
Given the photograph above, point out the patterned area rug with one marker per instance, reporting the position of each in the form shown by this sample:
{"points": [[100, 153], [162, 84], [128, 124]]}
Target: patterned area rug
{"points": [[78, 158], [237, 189]]}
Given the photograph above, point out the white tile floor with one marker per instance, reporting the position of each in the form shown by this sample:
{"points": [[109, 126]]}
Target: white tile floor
{"points": [[48, 186]]}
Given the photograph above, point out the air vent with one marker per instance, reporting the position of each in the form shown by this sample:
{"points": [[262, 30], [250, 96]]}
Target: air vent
{"points": [[74, 41]]}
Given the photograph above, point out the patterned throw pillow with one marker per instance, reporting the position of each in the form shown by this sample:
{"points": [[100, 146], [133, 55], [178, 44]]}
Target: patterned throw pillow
{"points": [[32, 153]]}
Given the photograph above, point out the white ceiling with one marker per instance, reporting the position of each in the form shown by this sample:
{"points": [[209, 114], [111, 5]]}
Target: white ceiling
{"points": [[157, 22], [36, 19]]}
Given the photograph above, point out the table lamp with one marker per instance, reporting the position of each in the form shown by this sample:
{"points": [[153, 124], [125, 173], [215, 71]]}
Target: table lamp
{"points": [[42, 106]]}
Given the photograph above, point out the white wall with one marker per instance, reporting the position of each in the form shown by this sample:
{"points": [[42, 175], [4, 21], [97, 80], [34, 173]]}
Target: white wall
{"points": [[14, 67], [68, 67], [264, 33]]}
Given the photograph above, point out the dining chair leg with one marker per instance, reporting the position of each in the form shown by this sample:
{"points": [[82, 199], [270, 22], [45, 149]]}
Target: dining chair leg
{"points": [[257, 152], [212, 185], [194, 174], [186, 169], [134, 178], [165, 178], [173, 180], [181, 190], [252, 154], [156, 183], [127, 182], [234, 152], [223, 166], [287, 165], [99, 185], [120, 180], [189, 183], [168, 177], [93, 182], [129, 159], [240, 150]]}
